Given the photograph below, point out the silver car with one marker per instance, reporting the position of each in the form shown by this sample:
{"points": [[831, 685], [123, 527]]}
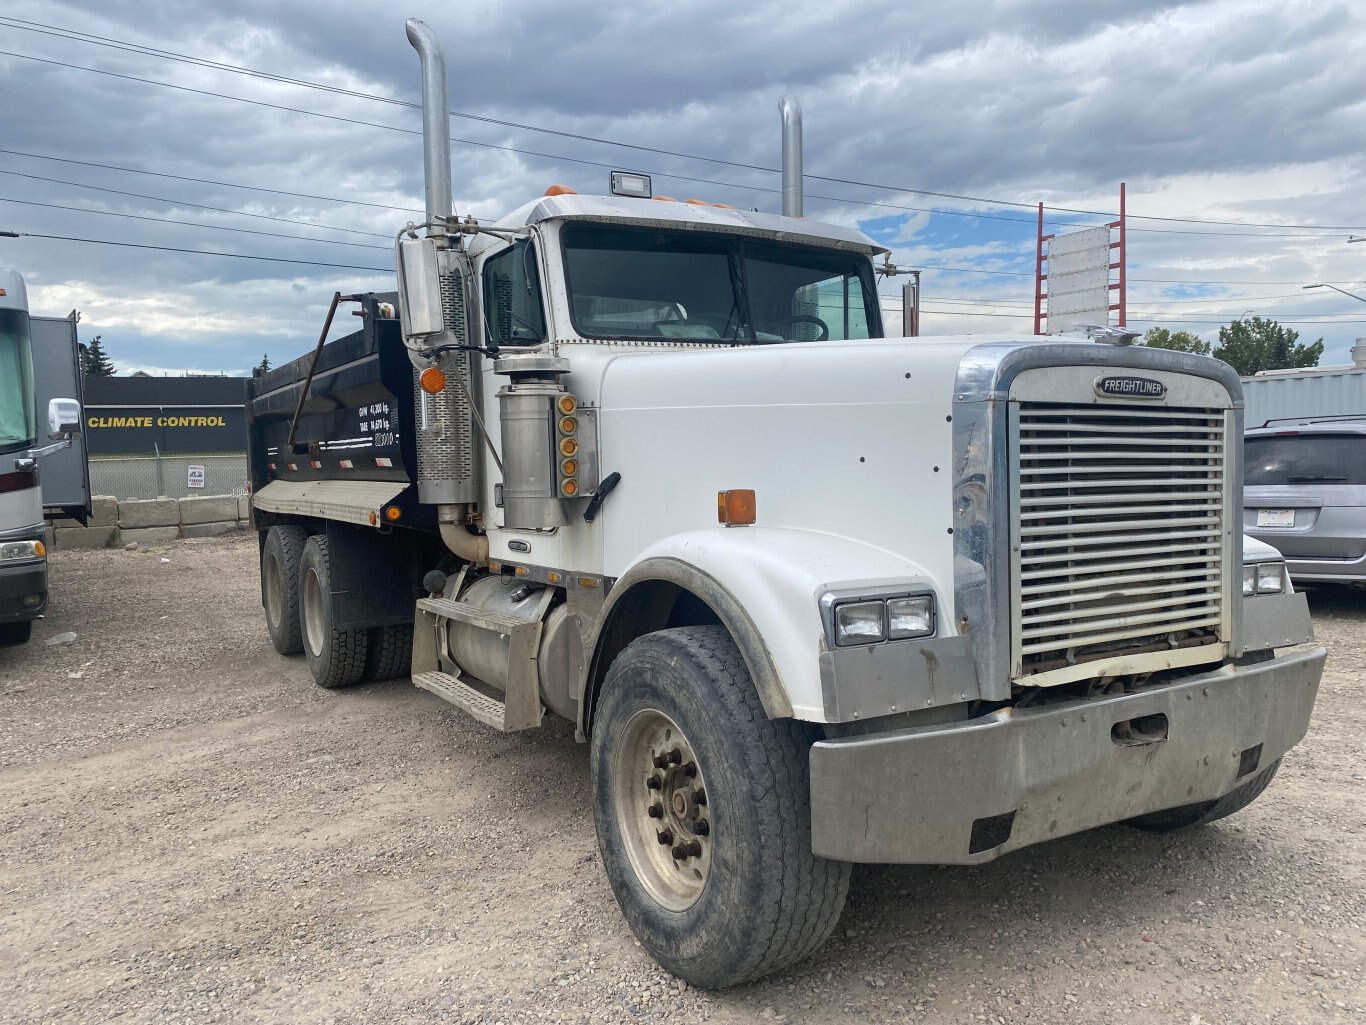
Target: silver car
{"points": [[1304, 493]]}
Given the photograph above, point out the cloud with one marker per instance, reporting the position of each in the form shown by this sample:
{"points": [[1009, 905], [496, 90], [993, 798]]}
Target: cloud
{"points": [[1228, 109]]}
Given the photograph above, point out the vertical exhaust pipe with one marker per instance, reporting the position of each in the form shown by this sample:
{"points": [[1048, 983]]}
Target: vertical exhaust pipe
{"points": [[436, 123], [791, 111]]}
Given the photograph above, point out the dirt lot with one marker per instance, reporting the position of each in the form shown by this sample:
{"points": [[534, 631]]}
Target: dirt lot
{"points": [[190, 831]]}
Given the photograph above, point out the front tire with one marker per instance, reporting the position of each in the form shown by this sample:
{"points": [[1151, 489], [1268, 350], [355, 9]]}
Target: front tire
{"points": [[335, 657], [702, 807], [16, 633], [1189, 816]]}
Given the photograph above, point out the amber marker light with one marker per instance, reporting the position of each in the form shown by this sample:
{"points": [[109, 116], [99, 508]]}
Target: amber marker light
{"points": [[560, 190], [567, 404], [569, 467], [735, 508], [568, 425], [374, 520], [392, 513], [39, 548], [568, 446], [569, 488], [432, 380]]}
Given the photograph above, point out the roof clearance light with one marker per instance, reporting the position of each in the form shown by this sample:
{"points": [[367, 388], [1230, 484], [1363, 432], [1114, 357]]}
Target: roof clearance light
{"points": [[560, 190], [624, 183]]}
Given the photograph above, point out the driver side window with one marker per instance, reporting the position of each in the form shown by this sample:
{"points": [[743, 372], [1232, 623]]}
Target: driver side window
{"points": [[512, 297]]}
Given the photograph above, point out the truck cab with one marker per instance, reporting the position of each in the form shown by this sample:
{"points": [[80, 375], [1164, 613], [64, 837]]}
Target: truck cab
{"points": [[813, 595]]}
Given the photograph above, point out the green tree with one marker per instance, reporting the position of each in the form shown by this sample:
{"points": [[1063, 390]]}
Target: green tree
{"points": [[1257, 344], [95, 362], [264, 365], [1181, 341]]}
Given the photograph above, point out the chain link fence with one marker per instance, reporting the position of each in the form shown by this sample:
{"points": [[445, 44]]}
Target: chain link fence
{"points": [[169, 476]]}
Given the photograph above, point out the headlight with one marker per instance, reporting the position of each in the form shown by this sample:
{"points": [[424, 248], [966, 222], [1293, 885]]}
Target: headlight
{"points": [[910, 617], [861, 622], [22, 550], [1265, 578], [855, 618]]}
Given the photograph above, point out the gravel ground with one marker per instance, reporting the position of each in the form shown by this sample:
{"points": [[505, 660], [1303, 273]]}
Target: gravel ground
{"points": [[191, 831]]}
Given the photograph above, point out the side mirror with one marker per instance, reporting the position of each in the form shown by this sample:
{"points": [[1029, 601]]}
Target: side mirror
{"points": [[419, 289], [63, 418]]}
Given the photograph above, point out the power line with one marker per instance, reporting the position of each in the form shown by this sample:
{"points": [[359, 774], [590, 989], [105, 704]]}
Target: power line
{"points": [[181, 202], [210, 181], [200, 252], [188, 224], [76, 36]]}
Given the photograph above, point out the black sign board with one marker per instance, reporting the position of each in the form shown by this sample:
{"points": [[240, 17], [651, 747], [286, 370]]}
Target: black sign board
{"points": [[137, 415]]}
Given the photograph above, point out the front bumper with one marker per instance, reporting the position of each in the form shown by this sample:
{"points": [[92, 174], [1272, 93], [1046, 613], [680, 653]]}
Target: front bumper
{"points": [[938, 794], [18, 584]]}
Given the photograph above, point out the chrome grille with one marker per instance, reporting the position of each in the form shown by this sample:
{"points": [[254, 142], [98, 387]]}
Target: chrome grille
{"points": [[1118, 534]]}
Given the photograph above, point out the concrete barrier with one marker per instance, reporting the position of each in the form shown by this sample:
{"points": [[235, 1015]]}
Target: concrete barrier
{"points": [[115, 523], [158, 512], [214, 509]]}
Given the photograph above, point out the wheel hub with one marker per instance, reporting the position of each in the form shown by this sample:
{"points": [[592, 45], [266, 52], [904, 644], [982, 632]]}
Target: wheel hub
{"points": [[661, 804]]}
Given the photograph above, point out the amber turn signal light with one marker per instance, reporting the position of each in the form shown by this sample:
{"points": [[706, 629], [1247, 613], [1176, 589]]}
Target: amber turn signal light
{"points": [[432, 380], [735, 508], [568, 446], [568, 425], [567, 403], [392, 513]]}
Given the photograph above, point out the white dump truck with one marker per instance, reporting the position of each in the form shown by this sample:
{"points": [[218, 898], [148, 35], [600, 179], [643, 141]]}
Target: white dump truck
{"points": [[813, 595]]}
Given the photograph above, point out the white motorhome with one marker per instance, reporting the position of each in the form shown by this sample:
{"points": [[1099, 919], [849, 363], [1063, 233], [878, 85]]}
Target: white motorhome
{"points": [[23, 554], [813, 595]]}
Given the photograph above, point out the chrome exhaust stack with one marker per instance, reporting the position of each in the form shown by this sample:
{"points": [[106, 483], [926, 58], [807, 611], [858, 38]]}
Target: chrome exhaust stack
{"points": [[791, 112], [434, 304], [436, 124]]}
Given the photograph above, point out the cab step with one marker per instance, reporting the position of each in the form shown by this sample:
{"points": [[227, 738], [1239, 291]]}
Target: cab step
{"points": [[489, 711], [520, 707]]}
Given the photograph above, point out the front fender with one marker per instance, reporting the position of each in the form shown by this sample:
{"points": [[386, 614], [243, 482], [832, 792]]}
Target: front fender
{"points": [[764, 584]]}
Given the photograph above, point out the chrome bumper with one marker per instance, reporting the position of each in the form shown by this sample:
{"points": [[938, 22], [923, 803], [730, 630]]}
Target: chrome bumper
{"points": [[968, 792]]}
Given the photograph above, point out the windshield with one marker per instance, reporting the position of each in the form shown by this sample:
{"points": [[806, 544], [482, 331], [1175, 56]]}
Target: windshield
{"points": [[643, 283], [1305, 459], [16, 381]]}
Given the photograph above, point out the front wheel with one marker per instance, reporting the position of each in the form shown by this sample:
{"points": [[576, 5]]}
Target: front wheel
{"points": [[16, 633], [702, 807]]}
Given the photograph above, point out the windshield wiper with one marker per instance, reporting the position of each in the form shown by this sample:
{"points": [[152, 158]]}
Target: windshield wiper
{"points": [[1314, 476], [739, 300]]}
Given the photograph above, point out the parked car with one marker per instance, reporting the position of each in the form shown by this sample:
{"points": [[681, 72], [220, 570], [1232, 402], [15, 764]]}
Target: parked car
{"points": [[1304, 493]]}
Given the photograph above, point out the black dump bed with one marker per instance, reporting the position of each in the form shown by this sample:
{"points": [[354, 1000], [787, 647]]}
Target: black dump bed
{"points": [[357, 422]]}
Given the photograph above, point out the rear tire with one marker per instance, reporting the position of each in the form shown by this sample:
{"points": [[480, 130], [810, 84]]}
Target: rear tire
{"points": [[280, 558], [16, 633], [1190, 815], [389, 652], [679, 717], [335, 657]]}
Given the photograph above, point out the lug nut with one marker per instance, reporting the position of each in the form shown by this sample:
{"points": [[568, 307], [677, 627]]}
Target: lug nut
{"points": [[675, 756], [694, 849], [700, 827], [665, 836], [653, 783], [660, 761], [656, 811], [699, 797], [690, 770], [680, 851]]}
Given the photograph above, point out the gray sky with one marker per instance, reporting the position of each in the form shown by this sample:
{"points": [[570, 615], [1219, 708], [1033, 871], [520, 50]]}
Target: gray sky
{"points": [[1243, 112]]}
